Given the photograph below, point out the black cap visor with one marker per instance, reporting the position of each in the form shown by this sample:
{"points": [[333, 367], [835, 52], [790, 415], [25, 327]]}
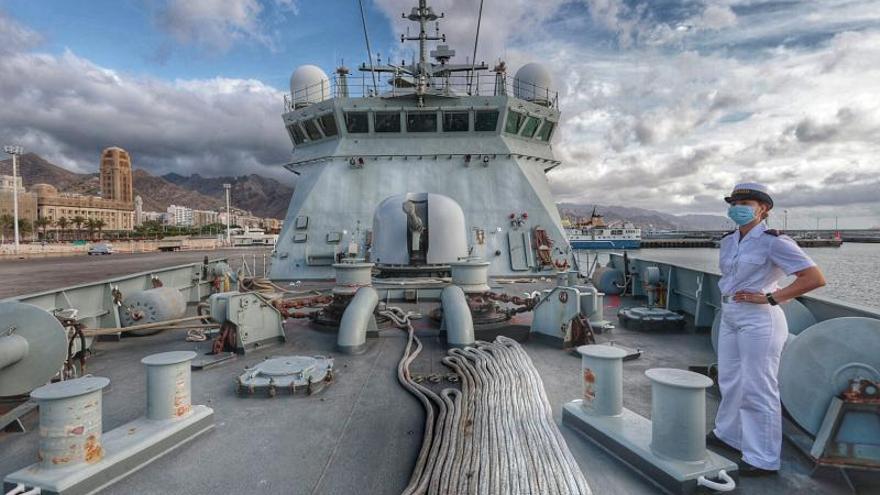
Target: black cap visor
{"points": [[750, 194]]}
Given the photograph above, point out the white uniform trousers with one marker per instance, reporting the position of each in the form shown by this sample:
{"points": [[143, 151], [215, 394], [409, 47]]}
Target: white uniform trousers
{"points": [[750, 341]]}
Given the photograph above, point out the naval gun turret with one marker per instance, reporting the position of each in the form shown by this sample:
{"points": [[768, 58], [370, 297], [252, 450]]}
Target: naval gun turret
{"points": [[433, 126]]}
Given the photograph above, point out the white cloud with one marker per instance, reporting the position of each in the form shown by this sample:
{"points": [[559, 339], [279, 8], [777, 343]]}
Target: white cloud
{"points": [[67, 109], [666, 105], [15, 36], [217, 25]]}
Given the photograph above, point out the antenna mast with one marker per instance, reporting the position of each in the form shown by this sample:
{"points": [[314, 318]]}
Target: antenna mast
{"points": [[423, 15]]}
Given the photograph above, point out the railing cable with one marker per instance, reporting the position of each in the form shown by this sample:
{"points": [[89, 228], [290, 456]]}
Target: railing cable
{"points": [[369, 51], [474, 60]]}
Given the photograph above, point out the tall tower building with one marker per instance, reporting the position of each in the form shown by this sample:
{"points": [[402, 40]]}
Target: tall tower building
{"points": [[116, 175]]}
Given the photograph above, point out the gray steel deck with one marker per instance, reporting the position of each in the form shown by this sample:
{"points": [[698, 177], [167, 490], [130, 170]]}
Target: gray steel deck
{"points": [[362, 434]]}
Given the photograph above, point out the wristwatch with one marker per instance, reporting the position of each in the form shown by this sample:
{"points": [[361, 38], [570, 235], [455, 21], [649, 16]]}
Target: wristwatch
{"points": [[770, 299]]}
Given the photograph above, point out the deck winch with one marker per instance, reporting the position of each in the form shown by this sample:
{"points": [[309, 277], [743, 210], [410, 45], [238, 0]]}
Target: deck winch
{"points": [[248, 321], [151, 306], [829, 382], [33, 347]]}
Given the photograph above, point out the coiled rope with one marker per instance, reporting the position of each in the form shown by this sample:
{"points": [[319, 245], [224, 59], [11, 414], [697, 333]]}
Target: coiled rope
{"points": [[494, 436]]}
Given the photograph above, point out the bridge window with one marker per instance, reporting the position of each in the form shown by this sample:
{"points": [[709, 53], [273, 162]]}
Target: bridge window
{"points": [[455, 122], [486, 120], [386, 122], [421, 122], [514, 121], [530, 126], [312, 129], [328, 124], [296, 133], [546, 131], [356, 122]]}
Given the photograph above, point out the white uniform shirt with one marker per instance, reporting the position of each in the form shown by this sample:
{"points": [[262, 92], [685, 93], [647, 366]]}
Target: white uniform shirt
{"points": [[756, 263]]}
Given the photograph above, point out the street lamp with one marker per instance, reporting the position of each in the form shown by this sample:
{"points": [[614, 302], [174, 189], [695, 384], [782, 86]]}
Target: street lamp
{"points": [[228, 213], [15, 151]]}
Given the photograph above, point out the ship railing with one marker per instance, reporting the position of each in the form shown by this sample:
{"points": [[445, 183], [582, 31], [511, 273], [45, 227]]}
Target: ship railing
{"points": [[452, 85]]}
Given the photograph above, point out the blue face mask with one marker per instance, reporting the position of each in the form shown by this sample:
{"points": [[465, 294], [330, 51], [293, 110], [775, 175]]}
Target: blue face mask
{"points": [[741, 214]]}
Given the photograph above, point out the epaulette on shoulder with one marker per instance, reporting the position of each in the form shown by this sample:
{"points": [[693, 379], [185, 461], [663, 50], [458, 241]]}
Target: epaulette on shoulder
{"points": [[773, 232], [727, 234]]}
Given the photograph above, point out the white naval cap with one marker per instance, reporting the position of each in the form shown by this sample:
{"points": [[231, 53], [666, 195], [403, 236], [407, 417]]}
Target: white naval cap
{"points": [[750, 190]]}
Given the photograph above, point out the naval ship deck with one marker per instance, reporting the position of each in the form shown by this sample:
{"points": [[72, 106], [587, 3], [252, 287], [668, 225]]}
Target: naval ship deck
{"points": [[363, 433]]}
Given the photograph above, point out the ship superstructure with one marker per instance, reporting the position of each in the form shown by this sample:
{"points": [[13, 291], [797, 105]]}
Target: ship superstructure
{"points": [[430, 126]]}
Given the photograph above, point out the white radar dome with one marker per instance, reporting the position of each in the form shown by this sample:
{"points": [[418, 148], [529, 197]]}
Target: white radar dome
{"points": [[309, 84], [533, 82]]}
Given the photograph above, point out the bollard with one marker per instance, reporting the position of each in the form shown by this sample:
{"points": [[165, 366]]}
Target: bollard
{"points": [[169, 391], [678, 413], [602, 368], [70, 422], [76, 458]]}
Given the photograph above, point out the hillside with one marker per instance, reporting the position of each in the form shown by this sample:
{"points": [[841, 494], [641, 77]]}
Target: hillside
{"points": [[33, 169], [158, 194], [252, 192], [263, 197], [648, 219], [267, 197]]}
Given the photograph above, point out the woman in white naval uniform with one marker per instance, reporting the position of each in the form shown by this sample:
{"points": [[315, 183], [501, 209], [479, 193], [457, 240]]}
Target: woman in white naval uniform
{"points": [[753, 329]]}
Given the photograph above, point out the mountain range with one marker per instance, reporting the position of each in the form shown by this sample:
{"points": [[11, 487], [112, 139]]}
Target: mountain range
{"points": [[647, 219], [261, 196], [267, 197]]}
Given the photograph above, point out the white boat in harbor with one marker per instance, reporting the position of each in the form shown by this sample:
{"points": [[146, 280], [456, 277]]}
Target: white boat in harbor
{"points": [[594, 234], [253, 237]]}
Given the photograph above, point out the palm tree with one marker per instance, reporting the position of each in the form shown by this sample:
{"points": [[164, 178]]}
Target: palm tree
{"points": [[41, 224], [100, 224], [6, 222], [62, 224], [90, 227], [78, 221], [24, 226]]}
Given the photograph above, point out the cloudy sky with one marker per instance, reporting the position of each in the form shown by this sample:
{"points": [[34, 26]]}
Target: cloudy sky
{"points": [[665, 103]]}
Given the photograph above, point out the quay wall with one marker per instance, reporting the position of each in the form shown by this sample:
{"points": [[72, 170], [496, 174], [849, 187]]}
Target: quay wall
{"points": [[68, 249]]}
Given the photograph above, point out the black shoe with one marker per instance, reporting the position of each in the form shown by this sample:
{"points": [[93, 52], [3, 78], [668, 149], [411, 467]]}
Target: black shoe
{"points": [[749, 471], [712, 439]]}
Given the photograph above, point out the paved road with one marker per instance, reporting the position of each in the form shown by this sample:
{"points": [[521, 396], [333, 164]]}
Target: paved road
{"points": [[18, 277]]}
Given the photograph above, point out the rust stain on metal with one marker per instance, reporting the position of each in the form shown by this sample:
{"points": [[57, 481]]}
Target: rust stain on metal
{"points": [[76, 430], [589, 376], [589, 380], [61, 460], [181, 398], [93, 450]]}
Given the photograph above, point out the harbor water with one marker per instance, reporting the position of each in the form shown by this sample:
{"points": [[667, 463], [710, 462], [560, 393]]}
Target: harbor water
{"points": [[852, 270]]}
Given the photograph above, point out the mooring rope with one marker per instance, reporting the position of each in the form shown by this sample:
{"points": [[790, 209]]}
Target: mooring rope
{"points": [[494, 436]]}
